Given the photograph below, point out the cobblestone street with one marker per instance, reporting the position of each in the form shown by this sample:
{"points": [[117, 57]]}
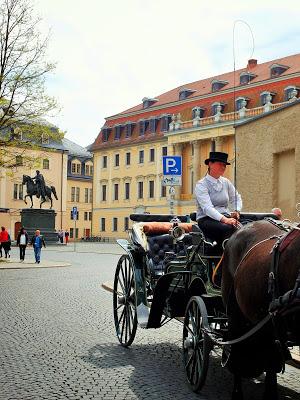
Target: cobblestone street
{"points": [[57, 339]]}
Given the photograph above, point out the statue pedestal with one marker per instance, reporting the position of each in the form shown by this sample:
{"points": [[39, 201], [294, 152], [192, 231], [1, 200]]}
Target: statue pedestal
{"points": [[44, 220]]}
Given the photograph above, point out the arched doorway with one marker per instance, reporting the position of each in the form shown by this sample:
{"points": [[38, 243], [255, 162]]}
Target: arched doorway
{"points": [[17, 229]]}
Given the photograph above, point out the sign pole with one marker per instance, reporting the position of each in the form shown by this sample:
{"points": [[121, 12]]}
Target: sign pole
{"points": [[171, 199]]}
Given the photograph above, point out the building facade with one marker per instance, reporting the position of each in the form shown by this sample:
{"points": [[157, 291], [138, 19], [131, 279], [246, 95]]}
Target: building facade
{"points": [[79, 190], [190, 121]]}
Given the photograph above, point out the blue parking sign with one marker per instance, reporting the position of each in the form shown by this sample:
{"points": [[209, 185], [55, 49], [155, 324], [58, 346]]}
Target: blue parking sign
{"points": [[74, 213], [172, 165]]}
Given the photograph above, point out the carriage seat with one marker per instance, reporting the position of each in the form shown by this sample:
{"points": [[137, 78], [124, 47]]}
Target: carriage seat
{"points": [[246, 216]]}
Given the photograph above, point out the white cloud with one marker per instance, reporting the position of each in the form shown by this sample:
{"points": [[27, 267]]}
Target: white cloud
{"points": [[110, 54]]}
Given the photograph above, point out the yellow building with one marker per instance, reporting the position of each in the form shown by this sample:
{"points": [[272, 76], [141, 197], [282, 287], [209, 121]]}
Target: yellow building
{"points": [[188, 121], [79, 190], [53, 167]]}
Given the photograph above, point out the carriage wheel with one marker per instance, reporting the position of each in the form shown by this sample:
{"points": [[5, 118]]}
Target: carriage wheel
{"points": [[196, 343], [124, 302]]}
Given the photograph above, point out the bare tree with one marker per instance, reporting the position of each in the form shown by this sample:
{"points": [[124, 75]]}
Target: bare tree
{"points": [[23, 70]]}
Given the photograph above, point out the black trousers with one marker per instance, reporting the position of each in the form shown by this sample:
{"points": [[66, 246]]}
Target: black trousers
{"points": [[215, 230], [22, 251]]}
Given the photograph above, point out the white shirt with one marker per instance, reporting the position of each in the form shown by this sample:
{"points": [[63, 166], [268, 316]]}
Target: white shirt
{"points": [[214, 197], [23, 239]]}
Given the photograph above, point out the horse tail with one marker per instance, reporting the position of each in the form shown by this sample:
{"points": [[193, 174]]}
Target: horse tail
{"points": [[54, 192]]}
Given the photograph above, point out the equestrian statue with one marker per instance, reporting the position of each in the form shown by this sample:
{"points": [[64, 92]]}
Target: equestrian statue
{"points": [[36, 187]]}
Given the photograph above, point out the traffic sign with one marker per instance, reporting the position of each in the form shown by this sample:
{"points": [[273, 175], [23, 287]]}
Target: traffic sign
{"points": [[172, 165], [171, 180], [74, 213]]}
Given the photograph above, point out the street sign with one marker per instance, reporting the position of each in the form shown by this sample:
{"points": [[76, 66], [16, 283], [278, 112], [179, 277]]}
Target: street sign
{"points": [[172, 165], [172, 180], [74, 213]]}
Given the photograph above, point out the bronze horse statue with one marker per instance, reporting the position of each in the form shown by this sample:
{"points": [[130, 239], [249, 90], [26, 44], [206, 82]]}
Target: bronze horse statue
{"points": [[32, 191], [250, 293]]}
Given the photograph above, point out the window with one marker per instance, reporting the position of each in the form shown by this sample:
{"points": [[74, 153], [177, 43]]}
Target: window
{"points": [[290, 92], [152, 155], [117, 160], [73, 194], [165, 121], [71, 233], [91, 169], [85, 215], [91, 195], [163, 191], [199, 111], [217, 85], [77, 194], [153, 125], [143, 125], [264, 97], [45, 163], [19, 161], [90, 216], [18, 191], [215, 106], [277, 70], [240, 103], [147, 102], [127, 158], [246, 77], [102, 224], [105, 134], [76, 233], [127, 191], [115, 224], [151, 189], [86, 195], [118, 132], [141, 156], [184, 93], [116, 191], [104, 162], [126, 224], [104, 193], [192, 182], [140, 190], [128, 129], [78, 168], [88, 169], [213, 145], [164, 151]]}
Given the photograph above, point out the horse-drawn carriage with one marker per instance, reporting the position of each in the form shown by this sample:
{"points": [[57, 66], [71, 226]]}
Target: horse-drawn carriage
{"points": [[170, 271]]}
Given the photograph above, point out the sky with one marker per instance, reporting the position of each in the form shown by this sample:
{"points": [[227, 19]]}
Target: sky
{"points": [[112, 53]]}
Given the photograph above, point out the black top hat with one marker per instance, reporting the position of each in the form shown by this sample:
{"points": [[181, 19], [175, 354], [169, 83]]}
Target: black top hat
{"points": [[217, 156]]}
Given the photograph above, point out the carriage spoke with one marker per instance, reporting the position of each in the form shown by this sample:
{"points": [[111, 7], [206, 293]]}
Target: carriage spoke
{"points": [[122, 286], [192, 322], [119, 320], [193, 368]]}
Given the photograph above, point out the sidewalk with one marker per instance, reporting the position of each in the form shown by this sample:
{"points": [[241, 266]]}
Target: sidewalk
{"points": [[13, 263]]}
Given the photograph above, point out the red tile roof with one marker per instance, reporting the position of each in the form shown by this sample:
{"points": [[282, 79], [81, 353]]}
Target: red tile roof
{"points": [[203, 87]]}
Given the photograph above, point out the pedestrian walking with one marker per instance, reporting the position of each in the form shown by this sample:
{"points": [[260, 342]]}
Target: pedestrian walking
{"points": [[5, 242], [67, 236], [22, 241], [60, 236], [37, 242]]}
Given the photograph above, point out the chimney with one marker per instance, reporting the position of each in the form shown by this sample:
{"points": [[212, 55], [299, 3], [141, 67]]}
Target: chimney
{"points": [[252, 63]]}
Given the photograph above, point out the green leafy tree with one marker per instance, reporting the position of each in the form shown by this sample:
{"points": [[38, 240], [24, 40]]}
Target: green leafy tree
{"points": [[24, 104]]}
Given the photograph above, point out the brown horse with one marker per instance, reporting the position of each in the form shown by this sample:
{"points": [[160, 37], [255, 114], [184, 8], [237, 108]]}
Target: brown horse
{"points": [[245, 284]]}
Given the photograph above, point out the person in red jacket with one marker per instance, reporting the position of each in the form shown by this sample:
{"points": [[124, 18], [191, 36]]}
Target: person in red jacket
{"points": [[5, 241]]}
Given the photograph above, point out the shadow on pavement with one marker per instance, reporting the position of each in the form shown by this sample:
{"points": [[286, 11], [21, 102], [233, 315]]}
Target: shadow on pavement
{"points": [[157, 371]]}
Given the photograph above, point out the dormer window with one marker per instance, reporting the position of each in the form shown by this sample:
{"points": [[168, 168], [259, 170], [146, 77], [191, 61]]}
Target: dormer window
{"points": [[148, 102], [216, 107], [266, 97], [153, 124], [105, 134], [290, 92], [197, 111], [217, 85], [128, 129], [277, 70], [143, 125], [184, 93], [164, 122], [246, 78], [45, 139], [118, 131], [241, 102]]}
